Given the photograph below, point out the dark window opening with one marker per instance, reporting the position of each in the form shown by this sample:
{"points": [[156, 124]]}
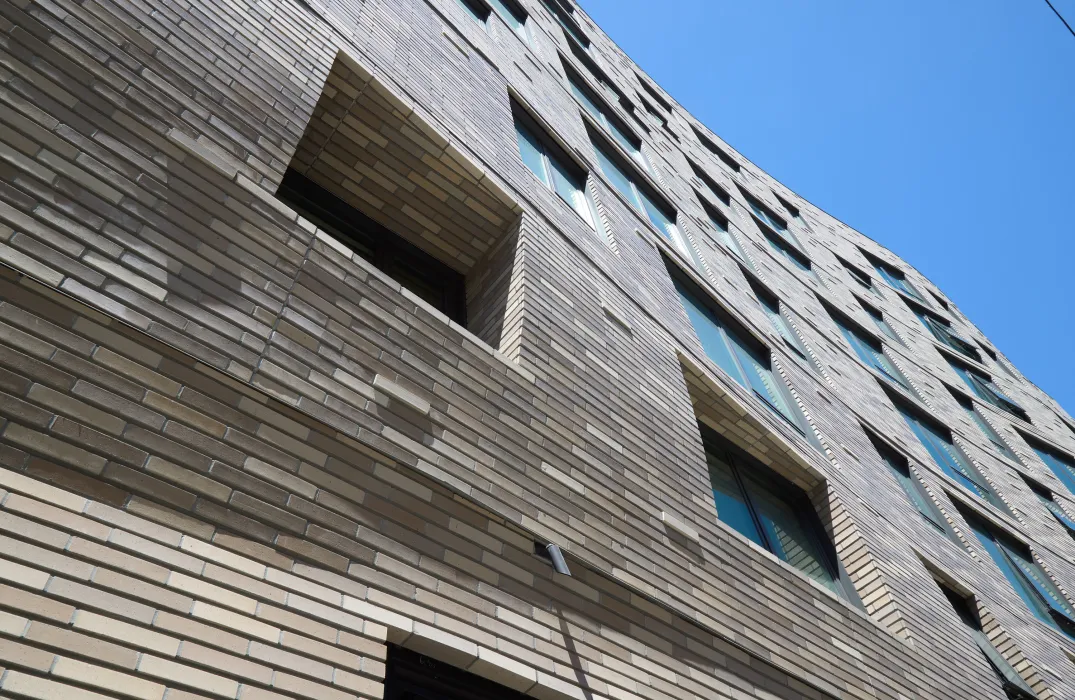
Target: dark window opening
{"points": [[716, 150], [1045, 496], [773, 513], [711, 184], [652, 92], [477, 9], [1014, 685], [567, 22], [916, 493], [791, 209], [413, 676], [418, 271]]}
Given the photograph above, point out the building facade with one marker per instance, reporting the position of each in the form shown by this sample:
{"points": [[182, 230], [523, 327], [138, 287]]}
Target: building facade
{"points": [[326, 326]]}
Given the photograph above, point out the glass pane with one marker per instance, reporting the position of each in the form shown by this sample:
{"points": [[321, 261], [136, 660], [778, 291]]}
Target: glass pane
{"points": [[617, 177], [711, 335], [1039, 580], [656, 215], [573, 190], [988, 431], [761, 380], [584, 97], [513, 18], [1058, 512], [948, 458], [731, 504], [788, 536], [474, 10], [729, 241], [1061, 467], [1030, 597], [531, 151], [914, 492]]}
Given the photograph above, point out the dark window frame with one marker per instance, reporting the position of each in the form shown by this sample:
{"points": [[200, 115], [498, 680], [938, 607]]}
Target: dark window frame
{"points": [[719, 192], [711, 146], [478, 10], [380, 246], [413, 676], [900, 467], [654, 95]]}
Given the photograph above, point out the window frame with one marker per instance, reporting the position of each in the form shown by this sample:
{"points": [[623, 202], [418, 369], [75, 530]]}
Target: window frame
{"points": [[896, 279], [796, 257], [1047, 499], [1059, 462], [652, 92], [941, 330], [913, 488], [725, 235], [477, 8], [567, 23], [868, 348], [711, 146], [525, 122], [988, 430], [881, 322], [719, 192], [605, 116], [983, 387], [517, 13], [863, 279], [797, 501], [773, 308]]}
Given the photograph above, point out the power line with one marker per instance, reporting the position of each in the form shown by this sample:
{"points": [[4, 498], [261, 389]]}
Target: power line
{"points": [[1051, 7]]}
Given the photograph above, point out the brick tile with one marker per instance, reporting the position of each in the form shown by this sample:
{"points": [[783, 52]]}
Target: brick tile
{"points": [[359, 684], [29, 529], [279, 658], [24, 685], [59, 450], [22, 575], [57, 516], [207, 551], [135, 588], [307, 689], [328, 652], [286, 619], [86, 596], [202, 589], [167, 555], [234, 621], [116, 559], [12, 625], [42, 492], [44, 559], [14, 654], [187, 676], [218, 661], [168, 518], [106, 679], [191, 629], [129, 634], [36, 605], [256, 588], [254, 550]]}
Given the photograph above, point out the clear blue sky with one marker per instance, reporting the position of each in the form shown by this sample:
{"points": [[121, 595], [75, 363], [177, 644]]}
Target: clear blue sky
{"points": [[944, 129]]}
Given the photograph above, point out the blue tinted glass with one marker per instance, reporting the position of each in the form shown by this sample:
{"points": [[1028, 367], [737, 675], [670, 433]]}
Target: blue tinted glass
{"points": [[531, 151], [617, 177], [584, 98], [711, 335], [658, 217], [1063, 468], [571, 188], [948, 458], [1029, 596], [731, 504], [514, 19], [474, 9]]}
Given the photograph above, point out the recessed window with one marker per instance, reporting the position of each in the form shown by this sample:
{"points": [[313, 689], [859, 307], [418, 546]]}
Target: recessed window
{"points": [[861, 278], [1029, 580], [994, 438], [418, 271], [793, 256], [767, 219], [879, 320], [771, 512], [942, 331], [894, 278], [868, 349], [743, 359], [724, 233], [642, 198], [951, 460], [476, 9], [984, 388], [937, 297], [770, 304], [552, 166], [997, 361], [412, 676], [654, 95], [1061, 464], [512, 15], [716, 190], [712, 147], [1045, 496], [605, 116], [788, 206], [567, 22], [912, 487], [1013, 684]]}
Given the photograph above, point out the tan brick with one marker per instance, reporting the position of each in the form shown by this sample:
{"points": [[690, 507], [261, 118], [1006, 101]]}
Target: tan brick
{"points": [[187, 479], [80, 645], [36, 605], [191, 629], [254, 587], [210, 552], [75, 409], [219, 661], [503, 670], [23, 575], [254, 550], [329, 652], [363, 645], [184, 414], [129, 634], [278, 658], [360, 684], [187, 676], [200, 588], [41, 491], [300, 623], [87, 596], [235, 621], [136, 588], [24, 685], [23, 656], [107, 680], [249, 692], [61, 451], [169, 518], [173, 558], [135, 371], [57, 517], [132, 523], [44, 558], [307, 689], [12, 625], [117, 560], [28, 529]]}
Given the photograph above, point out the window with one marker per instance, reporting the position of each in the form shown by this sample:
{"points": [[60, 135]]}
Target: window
{"points": [[512, 15], [880, 322], [951, 460], [982, 385], [567, 22], [659, 214], [477, 9], [766, 215], [944, 334], [1013, 684], [711, 184], [772, 513], [791, 209], [994, 438], [1062, 465], [418, 271], [861, 277], [1046, 497], [895, 279], [603, 114], [784, 250], [937, 297], [997, 361], [552, 166], [912, 487], [745, 362], [771, 306], [1029, 580], [724, 234], [869, 350], [412, 676], [654, 95], [712, 147]]}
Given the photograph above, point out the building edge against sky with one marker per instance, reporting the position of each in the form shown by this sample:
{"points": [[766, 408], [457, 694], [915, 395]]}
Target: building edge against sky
{"points": [[322, 321]]}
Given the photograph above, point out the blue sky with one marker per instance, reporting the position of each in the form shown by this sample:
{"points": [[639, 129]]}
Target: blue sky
{"points": [[944, 129]]}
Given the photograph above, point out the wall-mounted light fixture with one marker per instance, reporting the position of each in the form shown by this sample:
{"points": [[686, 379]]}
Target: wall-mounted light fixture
{"points": [[553, 554]]}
